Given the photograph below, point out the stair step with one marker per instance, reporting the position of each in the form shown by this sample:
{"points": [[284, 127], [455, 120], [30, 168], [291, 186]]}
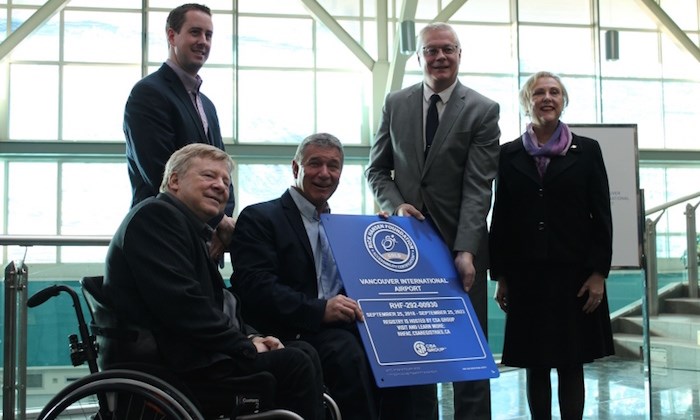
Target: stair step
{"points": [[681, 305], [664, 352], [680, 326]]}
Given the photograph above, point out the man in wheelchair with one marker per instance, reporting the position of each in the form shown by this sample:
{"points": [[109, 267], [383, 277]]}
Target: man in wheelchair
{"points": [[163, 286]]}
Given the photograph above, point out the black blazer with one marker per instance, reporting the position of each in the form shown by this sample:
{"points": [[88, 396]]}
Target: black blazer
{"points": [[563, 218], [159, 277], [274, 270], [159, 118]]}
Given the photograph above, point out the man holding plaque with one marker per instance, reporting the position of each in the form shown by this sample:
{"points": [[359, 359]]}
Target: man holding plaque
{"points": [[435, 155], [288, 281]]}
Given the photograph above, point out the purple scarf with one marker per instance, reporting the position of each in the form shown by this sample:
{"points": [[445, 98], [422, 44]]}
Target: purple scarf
{"points": [[557, 145]]}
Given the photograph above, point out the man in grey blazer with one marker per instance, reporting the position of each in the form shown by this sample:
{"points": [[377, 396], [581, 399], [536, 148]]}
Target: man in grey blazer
{"points": [[444, 174]]}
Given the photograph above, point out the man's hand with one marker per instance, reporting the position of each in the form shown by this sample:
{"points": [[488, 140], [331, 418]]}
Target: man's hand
{"points": [[406, 209], [464, 262], [222, 237], [263, 344], [341, 308]]}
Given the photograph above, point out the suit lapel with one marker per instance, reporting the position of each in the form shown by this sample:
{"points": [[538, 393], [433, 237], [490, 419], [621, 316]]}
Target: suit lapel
{"points": [[179, 89], [561, 163], [524, 163], [291, 212], [414, 120]]}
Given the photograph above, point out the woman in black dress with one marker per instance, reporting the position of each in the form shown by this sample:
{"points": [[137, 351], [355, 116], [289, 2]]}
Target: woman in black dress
{"points": [[551, 248]]}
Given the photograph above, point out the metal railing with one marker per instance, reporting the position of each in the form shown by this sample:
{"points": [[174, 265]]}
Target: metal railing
{"points": [[650, 251], [14, 395]]}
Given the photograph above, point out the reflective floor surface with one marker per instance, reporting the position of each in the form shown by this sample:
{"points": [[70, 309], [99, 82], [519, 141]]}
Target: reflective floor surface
{"points": [[615, 389]]}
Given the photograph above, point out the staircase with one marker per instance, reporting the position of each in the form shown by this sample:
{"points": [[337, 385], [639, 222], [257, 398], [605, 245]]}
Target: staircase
{"points": [[674, 333]]}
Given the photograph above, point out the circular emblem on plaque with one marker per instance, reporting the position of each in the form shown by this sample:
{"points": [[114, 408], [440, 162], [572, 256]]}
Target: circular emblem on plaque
{"points": [[391, 246], [420, 348]]}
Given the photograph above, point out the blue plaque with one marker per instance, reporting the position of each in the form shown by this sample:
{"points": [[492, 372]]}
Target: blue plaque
{"points": [[419, 326]]}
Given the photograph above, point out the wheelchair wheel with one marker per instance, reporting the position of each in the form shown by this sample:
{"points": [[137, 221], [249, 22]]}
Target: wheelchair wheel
{"points": [[120, 395]]}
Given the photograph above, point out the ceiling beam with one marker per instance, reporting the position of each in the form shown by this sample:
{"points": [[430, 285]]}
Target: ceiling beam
{"points": [[43, 14], [320, 14], [670, 28]]}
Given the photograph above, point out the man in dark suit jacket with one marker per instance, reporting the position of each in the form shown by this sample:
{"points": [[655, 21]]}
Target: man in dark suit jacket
{"points": [[161, 279], [448, 179], [166, 111], [277, 254]]}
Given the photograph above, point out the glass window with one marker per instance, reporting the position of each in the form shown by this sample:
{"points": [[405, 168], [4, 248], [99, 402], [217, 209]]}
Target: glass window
{"points": [[683, 12], [635, 102], [353, 196], [3, 24], [29, 2], [2, 194], [222, 42], [555, 11], [289, 45], [341, 7], [262, 182], [582, 108], [102, 37], [339, 109], [625, 14], [332, 53], [501, 90], [485, 49], [32, 211], [217, 85], [557, 49], [41, 44], [123, 4], [425, 10], [93, 101], [95, 197], [286, 7], [677, 62], [27, 108], [158, 39], [484, 11], [682, 116], [638, 56], [280, 112]]}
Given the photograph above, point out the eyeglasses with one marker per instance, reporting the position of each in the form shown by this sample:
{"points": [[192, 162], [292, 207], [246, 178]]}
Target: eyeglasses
{"points": [[447, 50]]}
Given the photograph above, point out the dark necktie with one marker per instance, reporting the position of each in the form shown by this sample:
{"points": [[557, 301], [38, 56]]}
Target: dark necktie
{"points": [[431, 122]]}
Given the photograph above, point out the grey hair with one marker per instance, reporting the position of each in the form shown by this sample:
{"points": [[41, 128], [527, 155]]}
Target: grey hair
{"points": [[526, 91], [321, 140], [181, 161], [435, 26]]}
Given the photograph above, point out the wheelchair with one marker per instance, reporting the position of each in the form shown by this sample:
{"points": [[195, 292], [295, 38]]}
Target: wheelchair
{"points": [[141, 391]]}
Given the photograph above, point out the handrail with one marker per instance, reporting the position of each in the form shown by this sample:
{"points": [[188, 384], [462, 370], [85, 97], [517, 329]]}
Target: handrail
{"points": [[15, 317], [672, 203], [60, 240], [650, 244]]}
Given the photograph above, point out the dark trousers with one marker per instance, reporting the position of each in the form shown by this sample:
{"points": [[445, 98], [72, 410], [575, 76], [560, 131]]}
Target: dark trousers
{"points": [[346, 372], [472, 400], [298, 386], [350, 382]]}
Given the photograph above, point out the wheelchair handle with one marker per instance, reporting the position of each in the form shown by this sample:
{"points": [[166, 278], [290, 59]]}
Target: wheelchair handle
{"points": [[45, 294]]}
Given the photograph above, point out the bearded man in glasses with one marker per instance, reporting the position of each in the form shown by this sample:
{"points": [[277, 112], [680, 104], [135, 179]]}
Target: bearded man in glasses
{"points": [[435, 155]]}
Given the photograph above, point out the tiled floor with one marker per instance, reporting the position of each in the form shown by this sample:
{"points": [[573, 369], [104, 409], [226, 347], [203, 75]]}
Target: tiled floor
{"points": [[615, 389]]}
